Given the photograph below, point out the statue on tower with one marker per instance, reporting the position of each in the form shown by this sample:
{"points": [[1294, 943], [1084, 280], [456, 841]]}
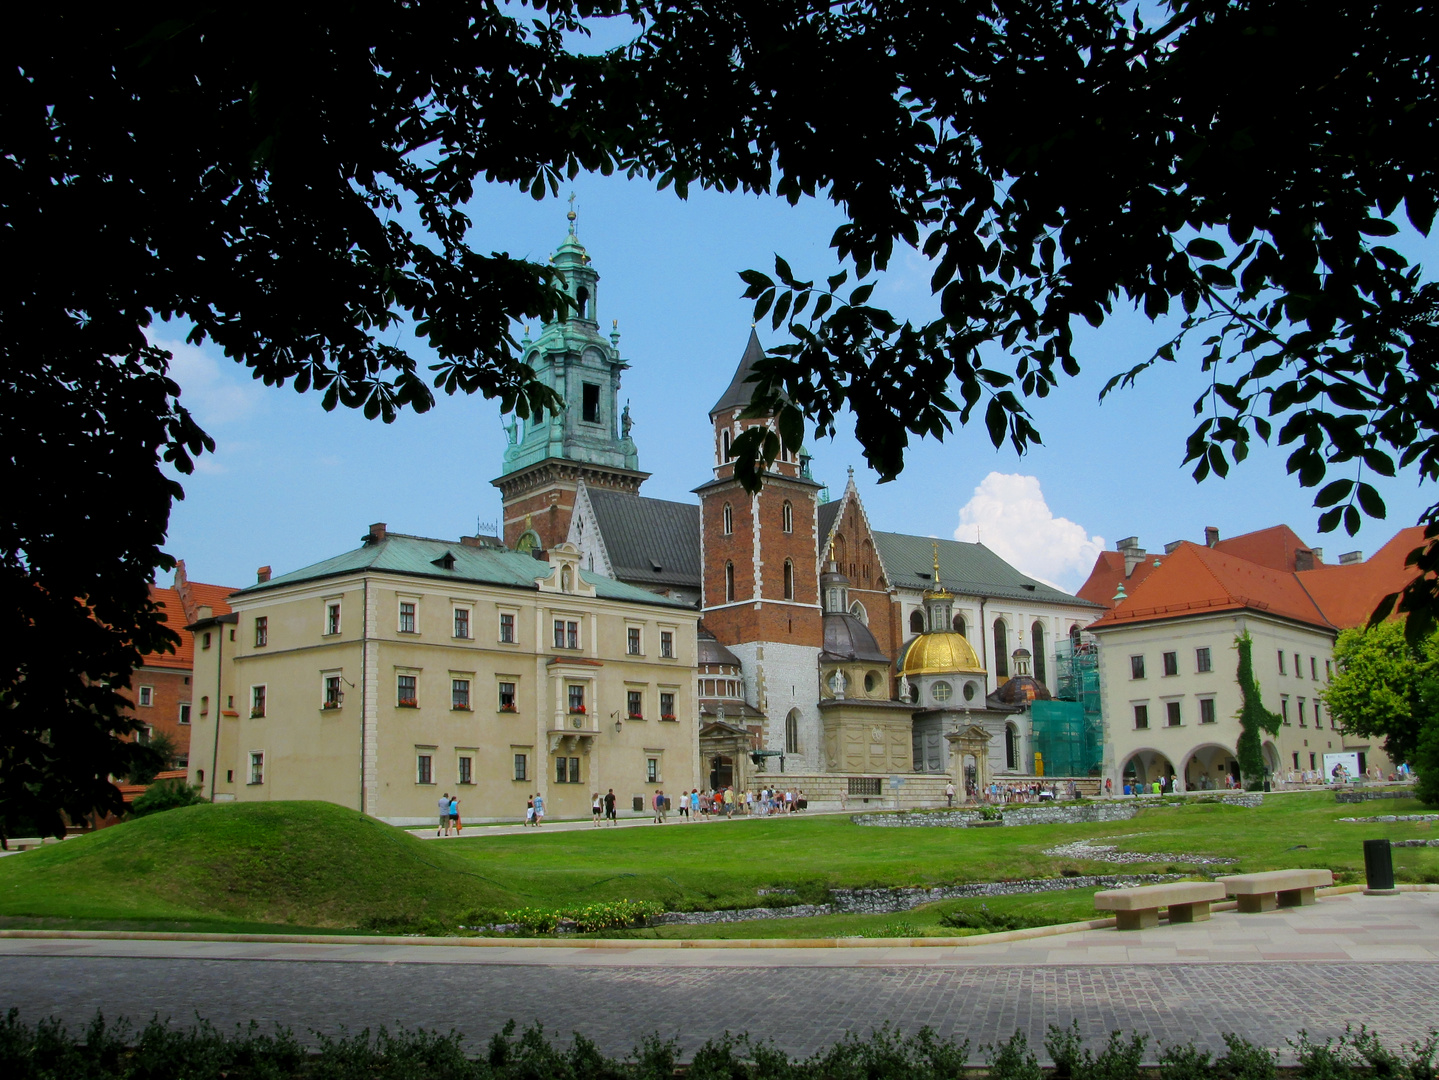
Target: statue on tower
{"points": [[625, 422]]}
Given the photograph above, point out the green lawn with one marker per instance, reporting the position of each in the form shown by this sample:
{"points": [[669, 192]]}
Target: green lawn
{"points": [[314, 865]]}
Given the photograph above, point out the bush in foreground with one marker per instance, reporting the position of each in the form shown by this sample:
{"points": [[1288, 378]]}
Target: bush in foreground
{"points": [[166, 795], [48, 1051]]}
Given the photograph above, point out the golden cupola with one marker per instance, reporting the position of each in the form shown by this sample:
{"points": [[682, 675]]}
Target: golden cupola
{"points": [[940, 650]]}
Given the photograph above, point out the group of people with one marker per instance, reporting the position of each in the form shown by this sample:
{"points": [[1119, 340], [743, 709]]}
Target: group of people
{"points": [[696, 805], [449, 815], [602, 810], [535, 810]]}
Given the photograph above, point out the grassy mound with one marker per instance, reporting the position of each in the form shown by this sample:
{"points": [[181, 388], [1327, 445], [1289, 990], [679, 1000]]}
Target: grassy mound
{"points": [[309, 864]]}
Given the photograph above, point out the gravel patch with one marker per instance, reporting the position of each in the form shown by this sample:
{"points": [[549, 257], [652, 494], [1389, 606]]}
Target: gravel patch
{"points": [[1091, 849]]}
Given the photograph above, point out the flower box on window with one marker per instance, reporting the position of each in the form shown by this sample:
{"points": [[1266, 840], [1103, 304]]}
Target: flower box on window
{"points": [[668, 716], [512, 708], [461, 708], [579, 709], [636, 716], [330, 705], [409, 703], [255, 714]]}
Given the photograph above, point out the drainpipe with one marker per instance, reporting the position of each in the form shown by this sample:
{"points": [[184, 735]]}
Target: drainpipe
{"points": [[219, 673], [364, 682]]}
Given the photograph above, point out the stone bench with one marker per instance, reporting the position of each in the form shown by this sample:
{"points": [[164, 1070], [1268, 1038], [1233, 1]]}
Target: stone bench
{"points": [[1134, 909], [1275, 888]]}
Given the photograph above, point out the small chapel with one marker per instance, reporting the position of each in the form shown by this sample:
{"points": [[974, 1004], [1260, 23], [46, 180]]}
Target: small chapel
{"points": [[856, 663]]}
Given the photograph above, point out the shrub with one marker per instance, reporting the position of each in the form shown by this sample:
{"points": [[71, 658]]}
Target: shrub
{"points": [[166, 795], [586, 919], [986, 921]]}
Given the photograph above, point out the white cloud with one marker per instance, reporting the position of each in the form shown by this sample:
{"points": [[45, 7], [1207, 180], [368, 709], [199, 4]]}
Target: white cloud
{"points": [[217, 391], [1009, 516]]}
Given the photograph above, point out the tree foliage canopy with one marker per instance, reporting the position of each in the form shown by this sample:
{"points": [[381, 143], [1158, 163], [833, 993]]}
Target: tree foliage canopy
{"points": [[245, 169], [1385, 687]]}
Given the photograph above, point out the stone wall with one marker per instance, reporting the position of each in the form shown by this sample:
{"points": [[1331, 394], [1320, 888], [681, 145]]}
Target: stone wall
{"points": [[1054, 814], [1362, 795]]}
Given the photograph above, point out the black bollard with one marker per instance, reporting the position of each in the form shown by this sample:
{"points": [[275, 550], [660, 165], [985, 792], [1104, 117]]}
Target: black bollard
{"points": [[1378, 867]]}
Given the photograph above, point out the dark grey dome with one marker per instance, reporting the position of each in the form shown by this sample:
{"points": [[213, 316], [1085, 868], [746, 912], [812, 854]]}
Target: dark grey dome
{"points": [[846, 638], [712, 652]]}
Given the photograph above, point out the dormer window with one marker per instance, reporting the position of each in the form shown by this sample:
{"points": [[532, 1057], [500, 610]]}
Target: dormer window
{"points": [[444, 562]]}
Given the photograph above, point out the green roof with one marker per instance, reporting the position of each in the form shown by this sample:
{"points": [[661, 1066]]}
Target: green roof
{"points": [[966, 569], [418, 556]]}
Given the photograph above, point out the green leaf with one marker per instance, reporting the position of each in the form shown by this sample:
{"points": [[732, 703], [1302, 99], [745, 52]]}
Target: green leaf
{"points": [[1202, 247], [1370, 502], [1333, 492]]}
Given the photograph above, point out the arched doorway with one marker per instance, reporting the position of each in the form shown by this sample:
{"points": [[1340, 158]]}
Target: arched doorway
{"points": [[1207, 766], [1146, 766], [721, 772]]}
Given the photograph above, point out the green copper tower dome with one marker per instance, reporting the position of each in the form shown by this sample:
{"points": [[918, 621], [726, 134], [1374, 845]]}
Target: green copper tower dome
{"points": [[583, 366]]}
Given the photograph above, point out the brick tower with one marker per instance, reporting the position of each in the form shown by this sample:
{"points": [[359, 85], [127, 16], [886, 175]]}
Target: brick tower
{"points": [[760, 556], [589, 439]]}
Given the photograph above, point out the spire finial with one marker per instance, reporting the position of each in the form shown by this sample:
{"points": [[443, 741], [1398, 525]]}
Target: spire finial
{"points": [[935, 544], [572, 215]]}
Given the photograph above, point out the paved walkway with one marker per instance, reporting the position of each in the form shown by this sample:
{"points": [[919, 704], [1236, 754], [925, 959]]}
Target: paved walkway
{"points": [[1349, 959]]}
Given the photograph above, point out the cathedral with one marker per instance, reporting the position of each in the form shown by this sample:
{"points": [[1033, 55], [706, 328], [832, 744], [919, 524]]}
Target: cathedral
{"points": [[829, 650]]}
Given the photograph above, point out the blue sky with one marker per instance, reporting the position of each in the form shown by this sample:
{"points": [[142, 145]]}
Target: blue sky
{"points": [[290, 484]]}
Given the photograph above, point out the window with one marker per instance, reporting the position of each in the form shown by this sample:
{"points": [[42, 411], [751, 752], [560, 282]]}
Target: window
{"points": [[1301, 713], [407, 616], [729, 582], [507, 697], [567, 770], [1298, 667], [727, 520], [1171, 663], [590, 395], [959, 625], [1311, 761], [257, 701], [1206, 710], [1036, 637], [257, 766], [205, 643], [1296, 759], [1328, 669], [332, 617], [577, 698], [1281, 661], [424, 769], [788, 580], [1136, 667], [567, 634], [407, 692], [522, 765], [332, 692], [864, 785], [1001, 649], [1318, 716], [632, 641], [916, 622], [147, 696], [460, 694], [635, 704], [462, 622], [1171, 711], [466, 769], [1284, 708], [507, 628], [1141, 716], [262, 631], [652, 770], [185, 712], [205, 705], [559, 633], [791, 732], [667, 644], [667, 706], [942, 691], [1314, 668], [1202, 661], [787, 516], [724, 444]]}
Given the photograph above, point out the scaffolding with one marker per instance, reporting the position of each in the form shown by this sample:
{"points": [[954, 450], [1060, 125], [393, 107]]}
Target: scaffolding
{"points": [[1069, 731]]}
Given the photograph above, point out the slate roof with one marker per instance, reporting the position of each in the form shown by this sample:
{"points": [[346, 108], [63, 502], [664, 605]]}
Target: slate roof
{"points": [[739, 392], [416, 556], [964, 569], [649, 540], [827, 513]]}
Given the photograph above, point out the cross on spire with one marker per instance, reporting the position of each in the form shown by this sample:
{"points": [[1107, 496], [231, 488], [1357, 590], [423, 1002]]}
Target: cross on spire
{"points": [[572, 215]]}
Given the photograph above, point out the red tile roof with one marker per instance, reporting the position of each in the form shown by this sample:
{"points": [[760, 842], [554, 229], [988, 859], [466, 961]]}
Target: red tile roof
{"points": [[181, 605], [1274, 547], [1196, 579], [1108, 572], [1349, 594]]}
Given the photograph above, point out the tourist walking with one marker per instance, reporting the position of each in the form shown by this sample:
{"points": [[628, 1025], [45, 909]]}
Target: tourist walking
{"points": [[444, 829], [610, 807], [949, 792], [539, 809], [596, 806], [455, 813], [659, 807], [530, 811]]}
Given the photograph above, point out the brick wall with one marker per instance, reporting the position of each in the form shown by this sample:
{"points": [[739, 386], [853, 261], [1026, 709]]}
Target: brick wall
{"points": [[171, 688]]}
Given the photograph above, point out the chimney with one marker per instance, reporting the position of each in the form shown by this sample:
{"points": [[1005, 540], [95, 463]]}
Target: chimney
{"points": [[1349, 558], [376, 533], [1171, 547], [262, 575], [1303, 559], [203, 612], [1132, 552], [1211, 536], [1318, 554]]}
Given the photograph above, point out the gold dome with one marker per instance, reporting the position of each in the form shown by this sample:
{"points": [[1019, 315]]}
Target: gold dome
{"points": [[941, 654]]}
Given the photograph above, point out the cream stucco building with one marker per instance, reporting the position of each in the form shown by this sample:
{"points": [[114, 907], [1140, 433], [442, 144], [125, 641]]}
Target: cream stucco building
{"points": [[412, 667]]}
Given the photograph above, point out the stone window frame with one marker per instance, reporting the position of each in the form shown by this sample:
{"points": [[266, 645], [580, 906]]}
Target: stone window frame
{"points": [[334, 616]]}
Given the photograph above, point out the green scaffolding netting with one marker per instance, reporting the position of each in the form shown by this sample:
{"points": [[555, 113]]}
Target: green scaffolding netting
{"points": [[1068, 732]]}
